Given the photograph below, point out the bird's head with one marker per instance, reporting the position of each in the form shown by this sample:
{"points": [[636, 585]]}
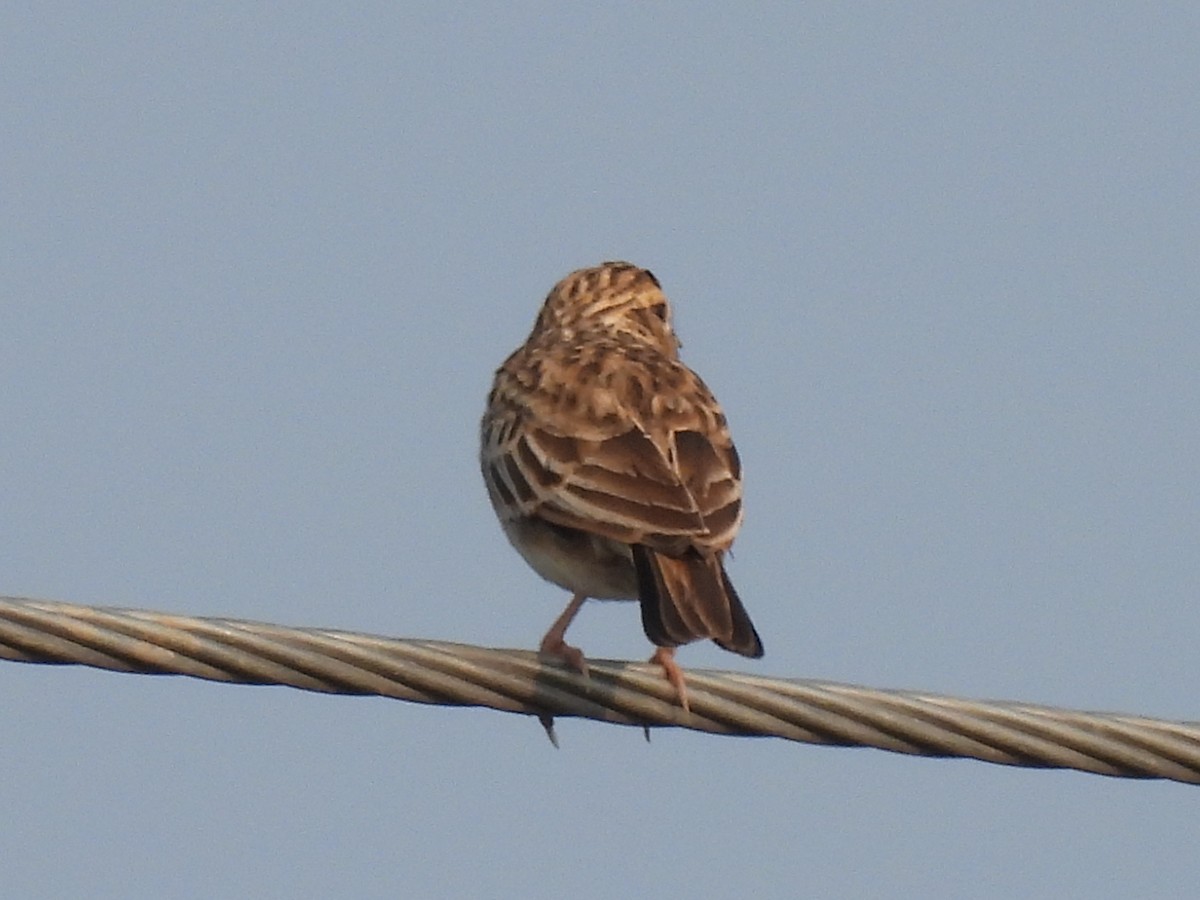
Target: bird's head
{"points": [[616, 297]]}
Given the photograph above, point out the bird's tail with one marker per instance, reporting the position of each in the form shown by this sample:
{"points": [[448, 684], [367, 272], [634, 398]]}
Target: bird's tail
{"points": [[690, 597]]}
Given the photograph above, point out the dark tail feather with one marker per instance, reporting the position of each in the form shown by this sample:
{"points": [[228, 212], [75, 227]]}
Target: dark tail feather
{"points": [[687, 598], [745, 639]]}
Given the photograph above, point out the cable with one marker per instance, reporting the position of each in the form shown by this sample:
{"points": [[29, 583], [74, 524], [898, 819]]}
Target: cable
{"points": [[437, 672]]}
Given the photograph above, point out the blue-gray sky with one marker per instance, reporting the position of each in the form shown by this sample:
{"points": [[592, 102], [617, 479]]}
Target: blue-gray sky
{"points": [[938, 261]]}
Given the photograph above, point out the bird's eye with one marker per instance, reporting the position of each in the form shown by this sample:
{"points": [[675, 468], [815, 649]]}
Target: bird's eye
{"points": [[660, 310]]}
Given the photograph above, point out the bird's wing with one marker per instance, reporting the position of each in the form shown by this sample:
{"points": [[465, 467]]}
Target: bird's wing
{"points": [[640, 457]]}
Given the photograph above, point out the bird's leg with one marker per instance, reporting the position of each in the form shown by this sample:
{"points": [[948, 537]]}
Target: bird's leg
{"points": [[665, 657], [553, 643]]}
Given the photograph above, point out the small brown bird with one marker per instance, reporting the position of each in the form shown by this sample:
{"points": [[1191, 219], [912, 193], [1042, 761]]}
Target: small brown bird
{"points": [[611, 467]]}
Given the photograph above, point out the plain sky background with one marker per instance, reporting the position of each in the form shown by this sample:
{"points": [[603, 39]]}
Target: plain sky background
{"points": [[258, 263]]}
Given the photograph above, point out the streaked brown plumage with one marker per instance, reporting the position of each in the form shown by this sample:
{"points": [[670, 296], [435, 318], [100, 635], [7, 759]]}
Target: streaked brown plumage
{"points": [[611, 467]]}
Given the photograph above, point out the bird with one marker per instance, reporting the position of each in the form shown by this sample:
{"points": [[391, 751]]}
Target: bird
{"points": [[611, 468]]}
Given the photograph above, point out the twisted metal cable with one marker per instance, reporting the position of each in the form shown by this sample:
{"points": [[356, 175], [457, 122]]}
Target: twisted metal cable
{"points": [[1014, 734]]}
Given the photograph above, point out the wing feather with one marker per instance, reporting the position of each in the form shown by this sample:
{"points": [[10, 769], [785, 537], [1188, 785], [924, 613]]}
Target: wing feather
{"points": [[653, 465]]}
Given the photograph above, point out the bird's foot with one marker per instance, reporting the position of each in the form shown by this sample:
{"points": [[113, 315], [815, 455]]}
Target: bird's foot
{"points": [[557, 648], [665, 657]]}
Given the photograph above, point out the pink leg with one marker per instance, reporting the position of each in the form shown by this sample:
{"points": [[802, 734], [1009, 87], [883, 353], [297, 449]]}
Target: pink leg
{"points": [[665, 657], [553, 644]]}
